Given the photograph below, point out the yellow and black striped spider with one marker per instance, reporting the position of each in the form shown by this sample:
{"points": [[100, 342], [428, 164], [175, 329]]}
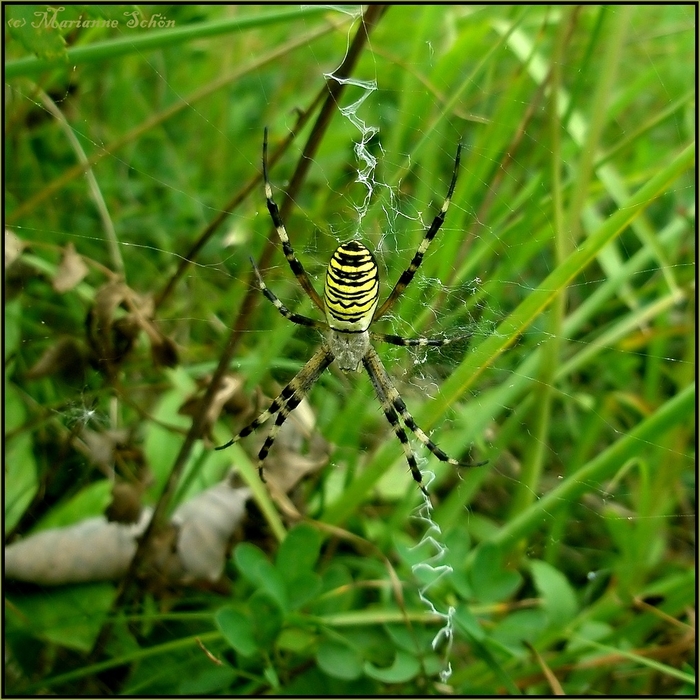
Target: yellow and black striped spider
{"points": [[349, 303]]}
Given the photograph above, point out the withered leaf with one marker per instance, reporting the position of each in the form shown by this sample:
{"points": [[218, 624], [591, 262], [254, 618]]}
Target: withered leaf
{"points": [[14, 246], [163, 350], [71, 270], [126, 503], [231, 390], [111, 335], [66, 356]]}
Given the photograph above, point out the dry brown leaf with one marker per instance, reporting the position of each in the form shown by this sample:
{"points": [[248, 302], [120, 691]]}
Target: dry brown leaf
{"points": [[195, 545], [92, 550], [101, 446], [285, 465], [286, 469], [71, 270], [163, 351], [112, 334], [206, 523], [14, 246], [126, 502], [230, 392], [66, 356], [101, 318]]}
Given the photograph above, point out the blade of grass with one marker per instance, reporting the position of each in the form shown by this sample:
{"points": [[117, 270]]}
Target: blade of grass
{"points": [[508, 331], [639, 659], [149, 41], [604, 466]]}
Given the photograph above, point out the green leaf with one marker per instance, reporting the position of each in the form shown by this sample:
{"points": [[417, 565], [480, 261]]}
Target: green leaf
{"points": [[271, 676], [466, 622], [490, 581], [161, 445], [672, 413], [411, 640], [88, 502], [303, 589], [558, 596], [469, 623], [33, 27], [589, 630], [258, 569], [404, 668], [237, 628], [295, 639], [336, 577], [299, 551], [268, 619], [519, 627], [211, 680], [339, 660], [70, 616], [21, 479], [249, 560]]}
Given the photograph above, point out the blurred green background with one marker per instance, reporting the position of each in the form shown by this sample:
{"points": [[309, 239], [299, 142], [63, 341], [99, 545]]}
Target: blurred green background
{"points": [[568, 255]]}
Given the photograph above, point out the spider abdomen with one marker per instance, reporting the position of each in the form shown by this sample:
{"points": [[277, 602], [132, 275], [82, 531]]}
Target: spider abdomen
{"points": [[352, 288]]}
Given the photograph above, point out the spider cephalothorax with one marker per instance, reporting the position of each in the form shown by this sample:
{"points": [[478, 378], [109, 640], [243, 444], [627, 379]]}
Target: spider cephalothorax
{"points": [[350, 301]]}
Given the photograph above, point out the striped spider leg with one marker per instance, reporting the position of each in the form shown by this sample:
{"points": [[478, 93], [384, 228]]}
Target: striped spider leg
{"points": [[413, 342], [392, 404], [408, 274], [292, 394], [294, 263], [287, 400]]}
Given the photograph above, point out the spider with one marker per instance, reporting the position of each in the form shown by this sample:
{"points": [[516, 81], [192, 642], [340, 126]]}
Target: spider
{"points": [[351, 305]]}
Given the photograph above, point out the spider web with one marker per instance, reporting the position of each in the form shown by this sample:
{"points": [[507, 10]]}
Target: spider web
{"points": [[362, 146], [433, 566]]}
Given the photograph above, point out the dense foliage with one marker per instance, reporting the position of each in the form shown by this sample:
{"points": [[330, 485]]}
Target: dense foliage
{"points": [[133, 204]]}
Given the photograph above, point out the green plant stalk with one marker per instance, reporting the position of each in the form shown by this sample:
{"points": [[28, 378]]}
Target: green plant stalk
{"points": [[123, 659], [650, 124], [157, 39], [447, 110], [533, 464], [260, 492], [585, 65], [586, 133], [508, 331], [492, 401], [93, 185], [613, 283], [604, 466], [638, 659], [620, 329], [598, 119]]}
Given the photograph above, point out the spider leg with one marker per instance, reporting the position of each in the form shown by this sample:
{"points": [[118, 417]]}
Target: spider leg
{"points": [[286, 402], [294, 264], [295, 318], [410, 271], [397, 403], [390, 413], [410, 342]]}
